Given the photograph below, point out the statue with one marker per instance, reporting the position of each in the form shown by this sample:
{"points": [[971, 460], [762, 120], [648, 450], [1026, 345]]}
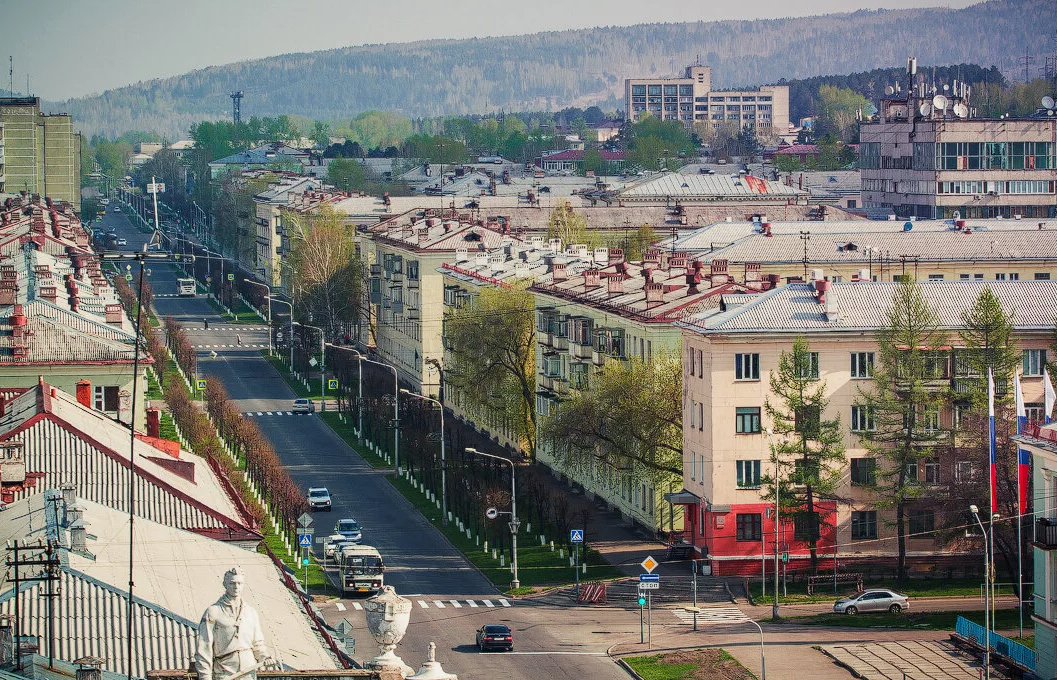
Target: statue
{"points": [[388, 615], [431, 670], [230, 639]]}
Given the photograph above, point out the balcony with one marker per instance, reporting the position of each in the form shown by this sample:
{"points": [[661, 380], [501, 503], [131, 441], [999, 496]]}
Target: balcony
{"points": [[559, 342], [581, 351], [1046, 533]]}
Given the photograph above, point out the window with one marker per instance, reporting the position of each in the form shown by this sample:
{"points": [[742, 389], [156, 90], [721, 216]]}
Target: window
{"points": [[1014, 276], [935, 277], [1042, 276], [809, 367], [863, 471], [965, 277], [412, 270], [1034, 413], [1034, 362], [912, 473], [1000, 277], [861, 364], [700, 364], [959, 410], [932, 472], [922, 522], [964, 471], [106, 398], [693, 414], [748, 474], [806, 528], [862, 419], [701, 416], [864, 524], [929, 421], [746, 366], [750, 527], [693, 366], [747, 420]]}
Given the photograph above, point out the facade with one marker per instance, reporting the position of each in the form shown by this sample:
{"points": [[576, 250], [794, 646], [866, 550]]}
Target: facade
{"points": [[727, 361], [932, 166], [573, 159], [691, 99], [41, 154], [593, 307], [298, 194], [1041, 443]]}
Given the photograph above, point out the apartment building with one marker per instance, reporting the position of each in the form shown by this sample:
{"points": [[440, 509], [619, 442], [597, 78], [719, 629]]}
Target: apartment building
{"points": [[41, 154], [691, 99], [1041, 442], [290, 193], [728, 358], [919, 160], [593, 307]]}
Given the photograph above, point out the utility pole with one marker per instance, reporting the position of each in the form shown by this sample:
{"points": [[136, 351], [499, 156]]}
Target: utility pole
{"points": [[1026, 60], [49, 574]]}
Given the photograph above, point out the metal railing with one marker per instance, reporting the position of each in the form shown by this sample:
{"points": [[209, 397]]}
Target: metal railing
{"points": [[999, 644]]}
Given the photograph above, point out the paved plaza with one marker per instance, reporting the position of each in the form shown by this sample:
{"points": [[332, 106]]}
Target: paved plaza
{"points": [[909, 660]]}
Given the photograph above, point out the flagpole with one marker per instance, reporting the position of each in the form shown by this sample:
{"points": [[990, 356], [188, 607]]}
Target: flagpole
{"points": [[1021, 416]]}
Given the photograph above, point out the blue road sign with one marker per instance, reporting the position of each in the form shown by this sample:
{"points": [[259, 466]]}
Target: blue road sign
{"points": [[649, 578], [576, 536], [304, 540]]}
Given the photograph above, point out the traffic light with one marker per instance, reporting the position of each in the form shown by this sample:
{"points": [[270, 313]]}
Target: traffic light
{"points": [[642, 600], [304, 562]]}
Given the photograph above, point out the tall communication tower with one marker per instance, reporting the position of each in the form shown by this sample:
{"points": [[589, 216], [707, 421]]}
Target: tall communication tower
{"points": [[236, 105]]}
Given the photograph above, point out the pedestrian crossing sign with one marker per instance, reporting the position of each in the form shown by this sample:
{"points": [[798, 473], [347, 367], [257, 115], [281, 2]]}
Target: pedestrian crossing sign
{"points": [[200, 383], [304, 540], [332, 384], [576, 536]]}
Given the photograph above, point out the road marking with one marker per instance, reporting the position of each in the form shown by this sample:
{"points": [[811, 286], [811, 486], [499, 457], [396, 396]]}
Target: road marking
{"points": [[455, 603], [438, 604], [472, 604], [357, 606], [712, 615], [340, 607], [260, 413], [504, 602], [488, 603], [555, 653], [422, 603]]}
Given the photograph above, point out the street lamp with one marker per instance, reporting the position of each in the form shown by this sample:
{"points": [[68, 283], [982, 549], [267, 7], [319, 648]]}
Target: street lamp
{"points": [[322, 362], [987, 587], [359, 394], [396, 411], [774, 454], [291, 339], [443, 458], [515, 523], [268, 297]]}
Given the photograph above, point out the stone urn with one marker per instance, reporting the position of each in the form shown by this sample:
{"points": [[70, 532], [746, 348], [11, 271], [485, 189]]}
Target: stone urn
{"points": [[388, 615]]}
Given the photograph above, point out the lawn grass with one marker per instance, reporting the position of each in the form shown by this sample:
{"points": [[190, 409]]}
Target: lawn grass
{"points": [[296, 385], [913, 588], [652, 668], [688, 664], [1005, 619], [240, 313]]}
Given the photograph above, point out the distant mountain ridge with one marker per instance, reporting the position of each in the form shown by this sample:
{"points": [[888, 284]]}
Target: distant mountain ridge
{"points": [[552, 70]]}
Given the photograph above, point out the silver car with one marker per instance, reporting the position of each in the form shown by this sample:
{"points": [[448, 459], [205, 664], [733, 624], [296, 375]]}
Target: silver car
{"points": [[872, 601]]}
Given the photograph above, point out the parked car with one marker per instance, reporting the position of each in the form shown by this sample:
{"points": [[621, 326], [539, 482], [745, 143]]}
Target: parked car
{"points": [[122, 242], [303, 406], [872, 601], [319, 498], [333, 544], [495, 636], [350, 529]]}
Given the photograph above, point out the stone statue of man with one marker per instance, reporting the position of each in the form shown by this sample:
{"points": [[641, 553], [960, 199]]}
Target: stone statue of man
{"points": [[230, 639]]}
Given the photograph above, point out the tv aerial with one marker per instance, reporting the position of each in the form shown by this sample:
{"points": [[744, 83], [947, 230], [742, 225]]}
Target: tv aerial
{"points": [[939, 102], [890, 90], [961, 110]]}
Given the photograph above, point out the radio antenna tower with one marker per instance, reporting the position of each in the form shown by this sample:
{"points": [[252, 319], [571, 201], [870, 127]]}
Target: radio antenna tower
{"points": [[236, 105]]}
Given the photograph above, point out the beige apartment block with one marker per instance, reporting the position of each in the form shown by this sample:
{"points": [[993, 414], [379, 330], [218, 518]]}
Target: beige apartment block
{"points": [[41, 152], [728, 358]]}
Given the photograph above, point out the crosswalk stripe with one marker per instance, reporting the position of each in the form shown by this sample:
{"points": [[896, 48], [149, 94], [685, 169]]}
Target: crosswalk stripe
{"points": [[340, 607], [488, 603], [504, 602], [439, 604], [357, 606], [473, 605], [455, 603], [260, 413], [712, 615], [422, 603]]}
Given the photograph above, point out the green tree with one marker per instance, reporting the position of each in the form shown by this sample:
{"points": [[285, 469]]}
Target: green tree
{"points": [[593, 161], [346, 174], [839, 108], [568, 225], [786, 162], [492, 365], [989, 345], [899, 413], [809, 451], [320, 134]]}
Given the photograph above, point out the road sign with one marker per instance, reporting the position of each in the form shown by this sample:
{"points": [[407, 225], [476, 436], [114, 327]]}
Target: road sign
{"points": [[344, 627], [305, 520], [128, 277], [155, 187], [200, 383], [312, 362], [491, 513], [332, 384], [642, 599], [649, 564], [785, 557], [576, 536], [209, 279], [650, 585], [515, 524], [304, 540], [231, 277], [649, 578]]}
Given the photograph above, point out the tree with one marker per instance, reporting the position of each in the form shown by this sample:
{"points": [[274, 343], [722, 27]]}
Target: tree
{"points": [[568, 225], [786, 162], [593, 161], [628, 417], [346, 174], [809, 452], [320, 134], [899, 414], [326, 267], [989, 345], [839, 108], [492, 345]]}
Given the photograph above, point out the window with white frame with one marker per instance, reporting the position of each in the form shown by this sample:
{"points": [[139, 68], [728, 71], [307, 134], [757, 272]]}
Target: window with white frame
{"points": [[748, 474], [964, 471], [932, 472], [1034, 362], [862, 419], [701, 416], [959, 411], [746, 366], [809, 368], [1035, 413], [693, 414], [862, 364]]}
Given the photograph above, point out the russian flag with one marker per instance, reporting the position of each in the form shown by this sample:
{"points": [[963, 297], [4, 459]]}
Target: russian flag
{"points": [[1023, 456], [1051, 395], [991, 437]]}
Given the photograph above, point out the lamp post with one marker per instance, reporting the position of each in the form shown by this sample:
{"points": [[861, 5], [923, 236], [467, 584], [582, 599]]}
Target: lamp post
{"points": [[774, 454], [443, 458], [359, 391], [987, 589], [396, 411], [515, 523], [291, 339], [322, 363], [268, 297]]}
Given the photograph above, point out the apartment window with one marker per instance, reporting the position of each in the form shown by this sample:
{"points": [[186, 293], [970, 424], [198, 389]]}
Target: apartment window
{"points": [[863, 524], [412, 270], [1034, 362], [978, 276], [863, 471], [862, 419], [700, 364], [693, 364], [1014, 276], [746, 366], [693, 414], [748, 474], [1042, 276], [804, 529], [809, 369], [1000, 277], [935, 277], [959, 411], [106, 398], [747, 420], [693, 466], [749, 527], [964, 471], [912, 473], [922, 522], [701, 416], [862, 364], [1034, 413], [929, 421], [965, 277], [932, 472]]}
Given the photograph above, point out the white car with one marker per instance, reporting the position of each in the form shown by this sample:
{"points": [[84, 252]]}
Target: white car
{"points": [[122, 242], [319, 498], [872, 601], [303, 406], [332, 545], [350, 529]]}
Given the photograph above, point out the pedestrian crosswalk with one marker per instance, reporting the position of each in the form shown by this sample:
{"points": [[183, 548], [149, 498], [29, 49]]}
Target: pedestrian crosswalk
{"points": [[244, 345], [711, 616], [441, 604], [251, 414]]}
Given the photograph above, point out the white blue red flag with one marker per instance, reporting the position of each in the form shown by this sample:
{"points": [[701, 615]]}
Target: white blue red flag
{"points": [[991, 437]]}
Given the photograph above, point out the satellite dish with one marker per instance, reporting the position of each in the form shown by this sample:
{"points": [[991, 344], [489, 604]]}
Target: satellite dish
{"points": [[939, 102], [961, 110], [946, 87], [1047, 102], [925, 109], [891, 90]]}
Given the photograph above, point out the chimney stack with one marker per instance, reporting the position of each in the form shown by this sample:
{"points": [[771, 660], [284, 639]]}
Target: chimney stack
{"points": [[79, 536], [89, 668], [592, 278], [154, 423], [114, 314], [558, 272], [615, 283], [654, 294], [84, 393]]}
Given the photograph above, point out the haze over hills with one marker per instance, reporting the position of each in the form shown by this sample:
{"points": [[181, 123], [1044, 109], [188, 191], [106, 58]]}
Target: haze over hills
{"points": [[577, 67]]}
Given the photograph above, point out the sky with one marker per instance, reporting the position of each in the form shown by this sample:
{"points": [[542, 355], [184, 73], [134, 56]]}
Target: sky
{"points": [[70, 48]]}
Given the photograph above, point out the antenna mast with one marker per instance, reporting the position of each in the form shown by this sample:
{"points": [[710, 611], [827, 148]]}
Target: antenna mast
{"points": [[11, 76], [1026, 60], [236, 105]]}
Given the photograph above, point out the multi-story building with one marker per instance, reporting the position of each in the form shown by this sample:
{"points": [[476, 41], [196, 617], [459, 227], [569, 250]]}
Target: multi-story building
{"points": [[728, 359], [290, 193], [1040, 440], [596, 307], [41, 153], [691, 99], [920, 160]]}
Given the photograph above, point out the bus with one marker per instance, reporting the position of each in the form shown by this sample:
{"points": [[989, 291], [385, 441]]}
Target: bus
{"points": [[186, 287], [361, 569]]}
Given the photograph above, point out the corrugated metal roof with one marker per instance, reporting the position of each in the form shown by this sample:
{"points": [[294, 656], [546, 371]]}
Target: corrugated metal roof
{"points": [[49, 342], [677, 185]]}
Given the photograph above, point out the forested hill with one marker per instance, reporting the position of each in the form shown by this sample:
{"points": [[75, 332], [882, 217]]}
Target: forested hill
{"points": [[577, 67]]}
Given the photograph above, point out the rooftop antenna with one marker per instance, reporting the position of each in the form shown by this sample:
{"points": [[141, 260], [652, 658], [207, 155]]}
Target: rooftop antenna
{"points": [[236, 105], [939, 102], [11, 76]]}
